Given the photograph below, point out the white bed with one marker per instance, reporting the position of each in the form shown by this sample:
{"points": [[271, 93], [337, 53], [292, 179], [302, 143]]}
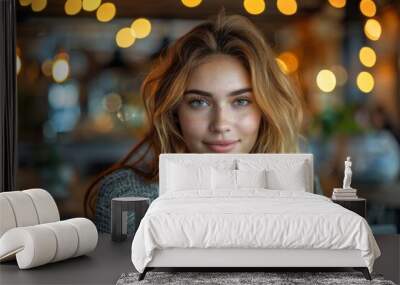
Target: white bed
{"points": [[201, 223]]}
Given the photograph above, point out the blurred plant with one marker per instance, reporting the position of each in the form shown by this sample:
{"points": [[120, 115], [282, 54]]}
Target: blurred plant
{"points": [[336, 121]]}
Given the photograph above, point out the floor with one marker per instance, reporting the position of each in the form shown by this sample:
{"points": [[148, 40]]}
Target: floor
{"points": [[110, 260], [389, 262]]}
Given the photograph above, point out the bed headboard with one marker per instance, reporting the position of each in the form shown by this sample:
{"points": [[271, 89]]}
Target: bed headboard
{"points": [[229, 161]]}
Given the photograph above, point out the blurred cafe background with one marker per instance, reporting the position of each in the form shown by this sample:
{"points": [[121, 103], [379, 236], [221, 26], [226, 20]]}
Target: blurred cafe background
{"points": [[80, 64]]}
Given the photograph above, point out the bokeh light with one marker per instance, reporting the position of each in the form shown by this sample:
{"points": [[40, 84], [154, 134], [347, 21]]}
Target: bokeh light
{"points": [[60, 70], [141, 28], [25, 2], [365, 82], [282, 65], [90, 5], [367, 56], [72, 7], [18, 64], [290, 60], [63, 95], [373, 29], [326, 80], [254, 7], [46, 67], [287, 7], [368, 8], [112, 102], [38, 5], [338, 3], [191, 3], [125, 38], [106, 12]]}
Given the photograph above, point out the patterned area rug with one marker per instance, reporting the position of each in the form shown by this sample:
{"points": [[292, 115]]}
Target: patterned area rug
{"points": [[229, 278]]}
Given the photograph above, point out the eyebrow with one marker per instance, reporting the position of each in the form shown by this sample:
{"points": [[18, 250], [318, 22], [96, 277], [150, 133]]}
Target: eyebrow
{"points": [[208, 94]]}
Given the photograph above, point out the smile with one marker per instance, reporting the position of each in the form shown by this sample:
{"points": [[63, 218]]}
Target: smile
{"points": [[221, 146]]}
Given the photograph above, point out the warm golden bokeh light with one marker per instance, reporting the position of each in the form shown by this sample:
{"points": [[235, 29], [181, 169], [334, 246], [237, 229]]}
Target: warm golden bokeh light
{"points": [[326, 80], [25, 2], [367, 56], [73, 7], [90, 5], [338, 3], [38, 5], [60, 70], [141, 28], [106, 12], [282, 65], [18, 64], [373, 29], [125, 38], [254, 7], [287, 7], [365, 82], [290, 60], [368, 8], [62, 55], [191, 3], [47, 66]]}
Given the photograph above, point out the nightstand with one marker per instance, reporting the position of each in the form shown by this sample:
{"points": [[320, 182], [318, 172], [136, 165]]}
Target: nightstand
{"points": [[358, 206], [119, 214]]}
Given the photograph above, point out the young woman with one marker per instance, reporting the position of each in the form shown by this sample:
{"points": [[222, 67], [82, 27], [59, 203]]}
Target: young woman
{"points": [[217, 89]]}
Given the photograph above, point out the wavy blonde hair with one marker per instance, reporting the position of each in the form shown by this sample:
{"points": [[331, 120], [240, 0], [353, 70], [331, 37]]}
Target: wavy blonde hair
{"points": [[164, 86]]}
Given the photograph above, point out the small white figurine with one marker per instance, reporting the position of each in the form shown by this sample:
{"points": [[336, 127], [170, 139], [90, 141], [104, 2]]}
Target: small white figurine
{"points": [[347, 174]]}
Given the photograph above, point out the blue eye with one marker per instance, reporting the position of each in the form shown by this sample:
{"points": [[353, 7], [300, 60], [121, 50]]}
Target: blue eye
{"points": [[242, 102], [198, 103]]}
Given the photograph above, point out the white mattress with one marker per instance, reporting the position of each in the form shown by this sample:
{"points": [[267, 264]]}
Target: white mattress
{"points": [[256, 218]]}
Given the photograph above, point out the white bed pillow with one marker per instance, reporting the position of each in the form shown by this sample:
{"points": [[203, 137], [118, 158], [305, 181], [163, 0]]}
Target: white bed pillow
{"points": [[227, 179], [281, 174], [183, 177], [223, 179], [251, 178], [293, 180]]}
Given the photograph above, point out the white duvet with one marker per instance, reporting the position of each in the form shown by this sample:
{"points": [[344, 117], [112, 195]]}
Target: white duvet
{"points": [[252, 218]]}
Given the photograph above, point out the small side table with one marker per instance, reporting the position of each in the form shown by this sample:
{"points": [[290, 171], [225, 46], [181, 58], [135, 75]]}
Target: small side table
{"points": [[119, 215], [358, 206]]}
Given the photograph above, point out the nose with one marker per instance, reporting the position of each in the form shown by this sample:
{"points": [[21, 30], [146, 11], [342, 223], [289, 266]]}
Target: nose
{"points": [[221, 120]]}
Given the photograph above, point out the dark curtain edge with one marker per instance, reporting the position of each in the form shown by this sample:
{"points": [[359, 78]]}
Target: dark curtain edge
{"points": [[8, 96]]}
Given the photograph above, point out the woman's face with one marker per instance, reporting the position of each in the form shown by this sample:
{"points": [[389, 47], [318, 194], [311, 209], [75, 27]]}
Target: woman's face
{"points": [[218, 112]]}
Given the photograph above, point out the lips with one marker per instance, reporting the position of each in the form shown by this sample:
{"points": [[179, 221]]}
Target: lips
{"points": [[221, 146]]}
